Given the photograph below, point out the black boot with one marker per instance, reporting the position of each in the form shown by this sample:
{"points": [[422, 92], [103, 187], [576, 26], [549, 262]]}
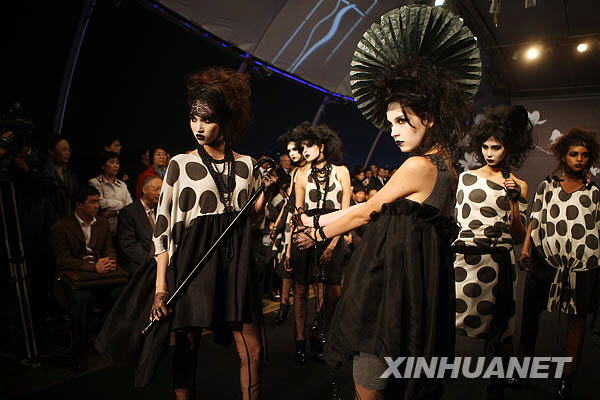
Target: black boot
{"points": [[282, 313], [301, 352], [495, 391], [564, 389]]}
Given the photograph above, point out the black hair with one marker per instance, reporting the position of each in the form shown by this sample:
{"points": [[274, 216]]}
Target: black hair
{"points": [[432, 92], [294, 134], [323, 134], [82, 192], [105, 156], [154, 150], [110, 140], [54, 140], [511, 127], [576, 137]]}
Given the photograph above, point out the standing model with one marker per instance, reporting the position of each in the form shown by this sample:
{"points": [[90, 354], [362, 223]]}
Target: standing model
{"points": [[562, 245]]}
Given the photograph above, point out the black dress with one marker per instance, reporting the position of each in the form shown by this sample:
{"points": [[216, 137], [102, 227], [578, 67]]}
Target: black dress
{"points": [[189, 220], [398, 296]]}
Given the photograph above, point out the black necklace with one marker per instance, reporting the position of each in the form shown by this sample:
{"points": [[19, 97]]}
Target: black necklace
{"points": [[224, 187], [321, 177]]}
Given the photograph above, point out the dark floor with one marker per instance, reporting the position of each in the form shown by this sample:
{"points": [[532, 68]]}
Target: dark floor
{"points": [[283, 379]]}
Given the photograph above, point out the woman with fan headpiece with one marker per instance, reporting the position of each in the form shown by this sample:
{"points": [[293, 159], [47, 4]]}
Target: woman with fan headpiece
{"points": [[490, 210], [202, 193], [398, 294], [561, 247]]}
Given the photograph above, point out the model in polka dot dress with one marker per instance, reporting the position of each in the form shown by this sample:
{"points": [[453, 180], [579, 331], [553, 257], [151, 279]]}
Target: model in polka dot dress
{"points": [[490, 210], [562, 248], [201, 194]]}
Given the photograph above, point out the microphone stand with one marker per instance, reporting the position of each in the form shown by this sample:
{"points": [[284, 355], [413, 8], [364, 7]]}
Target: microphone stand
{"points": [[214, 247]]}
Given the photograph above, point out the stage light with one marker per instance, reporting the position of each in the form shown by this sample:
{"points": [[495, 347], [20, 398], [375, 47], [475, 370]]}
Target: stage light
{"points": [[582, 47], [532, 53], [439, 2]]}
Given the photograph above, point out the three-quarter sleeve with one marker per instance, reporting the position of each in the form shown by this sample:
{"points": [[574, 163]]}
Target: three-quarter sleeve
{"points": [[162, 228]]}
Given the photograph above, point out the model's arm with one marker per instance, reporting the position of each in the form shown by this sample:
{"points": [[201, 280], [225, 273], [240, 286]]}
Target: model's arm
{"points": [[408, 180], [518, 230]]}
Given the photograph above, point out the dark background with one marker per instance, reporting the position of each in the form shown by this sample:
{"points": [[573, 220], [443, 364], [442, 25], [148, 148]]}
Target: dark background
{"points": [[130, 83]]}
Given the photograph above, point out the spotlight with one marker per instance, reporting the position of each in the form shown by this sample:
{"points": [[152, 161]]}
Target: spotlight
{"points": [[439, 2], [532, 53], [582, 47]]}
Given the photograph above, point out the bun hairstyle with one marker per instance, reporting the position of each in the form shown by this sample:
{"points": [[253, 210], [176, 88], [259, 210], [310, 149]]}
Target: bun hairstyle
{"points": [[576, 137], [223, 95], [323, 134], [511, 127], [432, 92]]}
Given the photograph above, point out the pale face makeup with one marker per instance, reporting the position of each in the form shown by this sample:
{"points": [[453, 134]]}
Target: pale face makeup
{"points": [[408, 130], [312, 152], [493, 152], [294, 152]]}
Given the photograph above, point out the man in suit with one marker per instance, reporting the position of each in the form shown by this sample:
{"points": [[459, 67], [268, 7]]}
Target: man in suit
{"points": [[83, 242], [135, 227], [376, 183]]}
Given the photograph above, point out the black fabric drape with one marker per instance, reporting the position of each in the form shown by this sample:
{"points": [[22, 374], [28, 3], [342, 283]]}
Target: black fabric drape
{"points": [[398, 297]]}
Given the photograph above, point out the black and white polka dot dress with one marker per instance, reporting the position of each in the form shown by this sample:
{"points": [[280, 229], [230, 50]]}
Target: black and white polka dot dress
{"points": [[303, 261], [565, 232], [483, 246], [190, 217]]}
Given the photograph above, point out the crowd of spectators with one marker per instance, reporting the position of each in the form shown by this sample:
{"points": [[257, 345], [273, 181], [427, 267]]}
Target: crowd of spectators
{"points": [[102, 223]]}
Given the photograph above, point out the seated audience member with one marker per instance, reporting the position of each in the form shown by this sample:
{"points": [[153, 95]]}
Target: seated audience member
{"points": [[83, 242], [114, 144], [159, 159], [114, 194], [136, 225], [358, 195]]}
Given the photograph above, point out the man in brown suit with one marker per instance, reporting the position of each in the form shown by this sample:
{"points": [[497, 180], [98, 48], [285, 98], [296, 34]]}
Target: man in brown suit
{"points": [[83, 242]]}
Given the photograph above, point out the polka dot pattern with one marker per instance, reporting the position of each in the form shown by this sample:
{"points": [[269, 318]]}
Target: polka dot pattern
{"points": [[196, 171], [208, 202], [187, 199], [172, 173], [566, 232], [333, 198], [483, 212]]}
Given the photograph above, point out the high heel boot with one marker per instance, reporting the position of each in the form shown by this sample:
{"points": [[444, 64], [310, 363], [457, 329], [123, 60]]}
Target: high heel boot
{"points": [[301, 352], [282, 313]]}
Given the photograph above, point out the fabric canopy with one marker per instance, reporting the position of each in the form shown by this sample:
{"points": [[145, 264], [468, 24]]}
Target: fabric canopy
{"points": [[311, 39]]}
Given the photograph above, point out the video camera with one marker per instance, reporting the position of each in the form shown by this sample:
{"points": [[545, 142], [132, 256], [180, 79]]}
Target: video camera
{"points": [[23, 129]]}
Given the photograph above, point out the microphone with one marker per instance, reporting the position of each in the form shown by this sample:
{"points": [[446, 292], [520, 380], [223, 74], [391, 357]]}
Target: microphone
{"points": [[511, 192]]}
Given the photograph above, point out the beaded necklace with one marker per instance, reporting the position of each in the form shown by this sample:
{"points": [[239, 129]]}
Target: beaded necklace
{"points": [[225, 189]]}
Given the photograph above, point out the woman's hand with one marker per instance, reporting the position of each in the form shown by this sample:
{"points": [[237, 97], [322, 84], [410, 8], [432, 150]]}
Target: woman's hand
{"points": [[159, 307], [513, 188], [326, 256], [525, 261], [269, 179], [305, 238]]}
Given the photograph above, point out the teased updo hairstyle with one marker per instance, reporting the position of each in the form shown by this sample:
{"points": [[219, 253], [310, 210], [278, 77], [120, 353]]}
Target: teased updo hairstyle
{"points": [[432, 93], [227, 94], [323, 134], [511, 127], [295, 134], [576, 137]]}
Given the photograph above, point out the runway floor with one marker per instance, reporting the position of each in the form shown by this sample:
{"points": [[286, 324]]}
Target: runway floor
{"points": [[283, 379]]}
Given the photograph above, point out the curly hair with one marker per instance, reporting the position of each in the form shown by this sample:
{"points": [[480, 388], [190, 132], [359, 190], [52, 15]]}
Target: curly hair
{"points": [[432, 93], [576, 137], [295, 134], [226, 93], [511, 127], [323, 134]]}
